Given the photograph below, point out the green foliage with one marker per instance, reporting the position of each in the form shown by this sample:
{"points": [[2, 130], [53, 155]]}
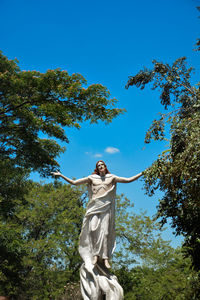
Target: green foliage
{"points": [[174, 281], [42, 239], [147, 267], [43, 262], [176, 171], [136, 234], [32, 103]]}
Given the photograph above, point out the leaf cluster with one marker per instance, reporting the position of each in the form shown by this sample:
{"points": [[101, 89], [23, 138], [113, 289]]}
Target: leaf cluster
{"points": [[174, 281], [176, 170], [147, 266], [40, 242], [35, 104]]}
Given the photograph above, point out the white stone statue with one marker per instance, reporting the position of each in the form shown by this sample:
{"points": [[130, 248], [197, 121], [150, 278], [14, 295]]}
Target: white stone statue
{"points": [[97, 238]]}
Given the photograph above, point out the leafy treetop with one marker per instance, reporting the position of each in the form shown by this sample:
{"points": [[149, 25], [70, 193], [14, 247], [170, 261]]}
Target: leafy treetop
{"points": [[176, 170], [32, 103]]}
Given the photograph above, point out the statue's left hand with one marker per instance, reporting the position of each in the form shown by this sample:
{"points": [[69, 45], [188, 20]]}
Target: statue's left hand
{"points": [[56, 173]]}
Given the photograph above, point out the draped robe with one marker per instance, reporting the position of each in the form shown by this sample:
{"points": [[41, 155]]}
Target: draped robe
{"points": [[101, 204]]}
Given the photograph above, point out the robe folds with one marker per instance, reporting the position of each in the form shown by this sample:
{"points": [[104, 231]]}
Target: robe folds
{"points": [[100, 240]]}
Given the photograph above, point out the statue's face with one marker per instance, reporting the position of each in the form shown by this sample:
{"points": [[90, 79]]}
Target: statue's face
{"points": [[101, 167]]}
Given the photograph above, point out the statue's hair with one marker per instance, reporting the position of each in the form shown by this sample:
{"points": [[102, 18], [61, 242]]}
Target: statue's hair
{"points": [[96, 171]]}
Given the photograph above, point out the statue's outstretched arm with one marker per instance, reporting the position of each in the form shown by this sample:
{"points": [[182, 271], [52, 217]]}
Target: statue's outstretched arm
{"points": [[127, 179], [71, 181]]}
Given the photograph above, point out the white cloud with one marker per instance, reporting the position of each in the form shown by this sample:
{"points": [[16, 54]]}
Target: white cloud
{"points": [[98, 155], [94, 155], [111, 150]]}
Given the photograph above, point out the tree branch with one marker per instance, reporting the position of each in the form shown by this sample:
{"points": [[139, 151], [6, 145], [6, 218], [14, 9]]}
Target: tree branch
{"points": [[14, 108]]}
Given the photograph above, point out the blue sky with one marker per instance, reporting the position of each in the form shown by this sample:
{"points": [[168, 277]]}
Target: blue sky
{"points": [[105, 41]]}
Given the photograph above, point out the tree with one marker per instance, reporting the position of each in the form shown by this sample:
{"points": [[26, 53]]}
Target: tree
{"points": [[45, 232], [174, 280], [135, 234], [176, 171], [35, 109], [147, 267], [32, 103]]}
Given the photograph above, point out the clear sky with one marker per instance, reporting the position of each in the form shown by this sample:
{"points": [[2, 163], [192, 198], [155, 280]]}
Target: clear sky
{"points": [[105, 41]]}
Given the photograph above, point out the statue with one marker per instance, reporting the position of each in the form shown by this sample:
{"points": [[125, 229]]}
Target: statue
{"points": [[97, 238]]}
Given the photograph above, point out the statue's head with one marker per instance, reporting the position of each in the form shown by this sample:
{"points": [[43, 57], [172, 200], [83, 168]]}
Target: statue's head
{"points": [[100, 165]]}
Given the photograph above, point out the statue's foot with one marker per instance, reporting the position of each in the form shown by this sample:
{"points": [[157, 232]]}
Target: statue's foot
{"points": [[106, 263], [95, 258]]}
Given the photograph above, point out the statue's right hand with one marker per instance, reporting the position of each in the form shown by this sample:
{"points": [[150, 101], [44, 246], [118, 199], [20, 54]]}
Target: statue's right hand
{"points": [[56, 173]]}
